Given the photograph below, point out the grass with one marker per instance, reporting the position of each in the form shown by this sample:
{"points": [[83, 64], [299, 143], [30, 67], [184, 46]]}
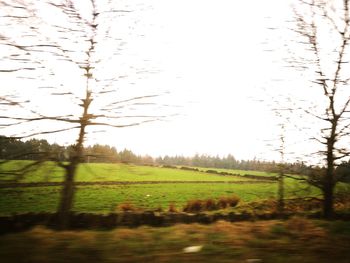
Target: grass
{"points": [[105, 198], [294, 240], [99, 172]]}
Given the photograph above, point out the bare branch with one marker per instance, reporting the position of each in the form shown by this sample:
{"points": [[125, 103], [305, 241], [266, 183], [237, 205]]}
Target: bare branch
{"points": [[46, 132]]}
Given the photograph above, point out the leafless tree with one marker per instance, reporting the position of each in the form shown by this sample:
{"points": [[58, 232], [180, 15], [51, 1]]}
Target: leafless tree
{"points": [[38, 39], [281, 186], [282, 112], [324, 27]]}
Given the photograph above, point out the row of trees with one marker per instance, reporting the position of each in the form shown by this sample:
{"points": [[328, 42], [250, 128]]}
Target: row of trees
{"points": [[230, 162], [34, 149]]}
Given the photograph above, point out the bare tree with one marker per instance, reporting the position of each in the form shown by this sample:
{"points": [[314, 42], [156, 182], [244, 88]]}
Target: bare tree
{"points": [[37, 48], [282, 110], [325, 30], [281, 187]]}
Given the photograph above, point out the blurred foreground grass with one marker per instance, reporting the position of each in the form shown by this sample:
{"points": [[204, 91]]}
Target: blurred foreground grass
{"points": [[294, 240]]}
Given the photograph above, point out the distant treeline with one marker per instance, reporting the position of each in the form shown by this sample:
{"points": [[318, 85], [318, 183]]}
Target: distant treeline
{"points": [[35, 149], [226, 162]]}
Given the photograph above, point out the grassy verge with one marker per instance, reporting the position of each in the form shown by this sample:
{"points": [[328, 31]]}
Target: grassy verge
{"points": [[295, 240]]}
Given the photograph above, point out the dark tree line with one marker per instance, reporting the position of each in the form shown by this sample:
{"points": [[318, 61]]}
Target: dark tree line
{"points": [[33, 149], [230, 162]]}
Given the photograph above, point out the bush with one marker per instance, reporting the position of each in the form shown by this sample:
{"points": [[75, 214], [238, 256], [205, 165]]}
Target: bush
{"points": [[189, 168], [233, 200], [225, 202], [194, 206], [159, 209], [126, 207], [172, 208], [210, 204], [212, 171], [169, 166]]}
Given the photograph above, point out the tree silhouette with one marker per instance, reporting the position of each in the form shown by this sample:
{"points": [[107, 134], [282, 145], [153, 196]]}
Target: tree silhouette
{"points": [[41, 42], [325, 30]]}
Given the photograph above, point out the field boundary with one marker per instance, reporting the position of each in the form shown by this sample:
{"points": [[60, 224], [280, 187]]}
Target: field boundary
{"points": [[223, 173], [23, 222], [46, 184]]}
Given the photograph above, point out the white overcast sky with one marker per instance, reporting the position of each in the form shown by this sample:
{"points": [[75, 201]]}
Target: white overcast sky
{"points": [[217, 58], [214, 62]]}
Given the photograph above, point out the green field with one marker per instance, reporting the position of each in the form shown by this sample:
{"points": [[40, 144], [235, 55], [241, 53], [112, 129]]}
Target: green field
{"points": [[181, 186], [98, 172]]}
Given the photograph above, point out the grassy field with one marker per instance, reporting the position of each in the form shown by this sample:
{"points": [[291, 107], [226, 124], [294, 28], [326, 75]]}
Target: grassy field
{"points": [[105, 198], [99, 172], [294, 240], [274, 241]]}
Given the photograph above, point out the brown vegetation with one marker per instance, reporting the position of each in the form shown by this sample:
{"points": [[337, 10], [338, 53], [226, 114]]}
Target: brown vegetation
{"points": [[293, 240], [126, 207], [210, 204]]}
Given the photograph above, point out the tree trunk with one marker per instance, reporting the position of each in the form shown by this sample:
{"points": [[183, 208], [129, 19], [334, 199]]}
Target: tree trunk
{"points": [[67, 197], [329, 180], [328, 193], [280, 193], [328, 210], [68, 190]]}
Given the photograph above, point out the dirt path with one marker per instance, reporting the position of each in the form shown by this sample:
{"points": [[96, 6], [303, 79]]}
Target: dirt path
{"points": [[44, 184]]}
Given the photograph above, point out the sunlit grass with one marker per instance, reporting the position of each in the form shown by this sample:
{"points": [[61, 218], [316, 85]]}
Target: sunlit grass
{"points": [[97, 172], [105, 198]]}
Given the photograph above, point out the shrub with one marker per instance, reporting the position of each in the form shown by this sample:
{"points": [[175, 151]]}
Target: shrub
{"points": [[212, 171], [159, 209], [126, 207], [189, 168], [230, 201], [210, 204], [172, 208], [169, 166], [233, 200], [194, 206], [222, 202]]}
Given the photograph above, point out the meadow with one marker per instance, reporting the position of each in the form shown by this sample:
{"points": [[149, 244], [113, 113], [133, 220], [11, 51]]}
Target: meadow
{"points": [[99, 172], [155, 188], [164, 186]]}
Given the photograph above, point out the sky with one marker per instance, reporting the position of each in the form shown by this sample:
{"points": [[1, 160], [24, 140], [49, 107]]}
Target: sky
{"points": [[215, 64], [220, 64]]}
